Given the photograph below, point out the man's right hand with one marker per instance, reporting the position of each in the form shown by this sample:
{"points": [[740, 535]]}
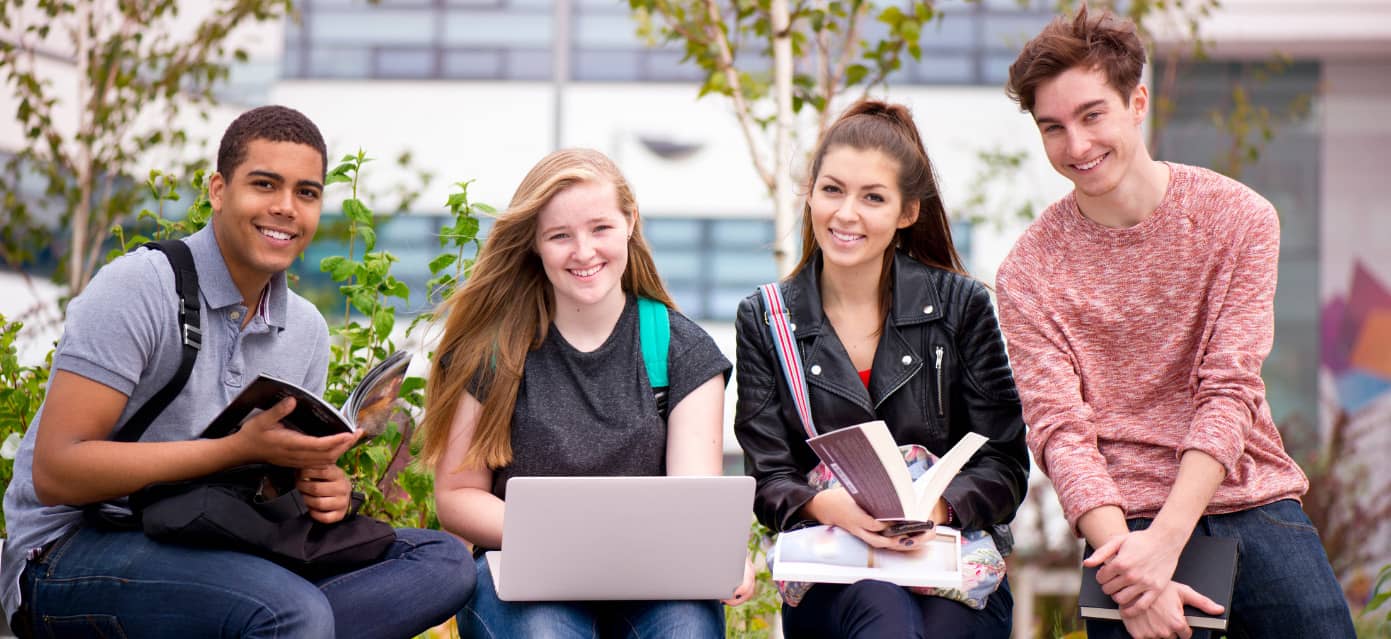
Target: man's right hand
{"points": [[835, 507], [1164, 618], [263, 438]]}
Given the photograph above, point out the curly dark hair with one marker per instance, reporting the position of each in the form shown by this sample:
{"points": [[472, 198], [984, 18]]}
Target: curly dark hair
{"points": [[1097, 41], [274, 123]]}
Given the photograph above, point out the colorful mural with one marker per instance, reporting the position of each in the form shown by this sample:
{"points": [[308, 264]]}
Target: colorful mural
{"points": [[1357, 341]]}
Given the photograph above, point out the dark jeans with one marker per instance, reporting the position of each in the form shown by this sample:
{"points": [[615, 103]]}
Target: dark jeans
{"points": [[1284, 585], [487, 617], [871, 609], [101, 583]]}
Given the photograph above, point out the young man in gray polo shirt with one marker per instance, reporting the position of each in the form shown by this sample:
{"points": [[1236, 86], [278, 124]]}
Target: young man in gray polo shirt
{"points": [[121, 344]]}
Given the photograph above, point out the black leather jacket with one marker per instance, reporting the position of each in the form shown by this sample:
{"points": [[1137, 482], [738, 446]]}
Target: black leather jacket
{"points": [[939, 371]]}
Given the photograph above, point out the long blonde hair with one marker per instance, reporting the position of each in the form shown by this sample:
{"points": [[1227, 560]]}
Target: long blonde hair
{"points": [[505, 308]]}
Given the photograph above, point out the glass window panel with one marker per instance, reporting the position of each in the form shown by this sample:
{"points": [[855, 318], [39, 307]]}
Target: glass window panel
{"points": [[337, 62], [671, 231], [472, 64], [996, 68], [955, 29], [529, 64], [606, 31], [405, 63], [1011, 32], [373, 27], [610, 66], [743, 233], [666, 66], [479, 29], [678, 265], [743, 269], [688, 299], [941, 68], [724, 302]]}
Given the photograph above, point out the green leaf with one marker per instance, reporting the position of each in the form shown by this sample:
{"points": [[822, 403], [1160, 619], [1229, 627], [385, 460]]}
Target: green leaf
{"points": [[331, 263], [356, 211], [443, 261], [855, 74], [369, 237], [383, 321]]}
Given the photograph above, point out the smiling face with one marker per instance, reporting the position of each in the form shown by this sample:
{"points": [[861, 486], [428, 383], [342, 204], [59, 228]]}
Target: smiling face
{"points": [[582, 240], [1091, 135], [265, 212], [856, 207]]}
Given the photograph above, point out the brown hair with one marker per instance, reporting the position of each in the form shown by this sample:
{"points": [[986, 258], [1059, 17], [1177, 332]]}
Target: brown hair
{"points": [[505, 308], [873, 125], [1098, 41], [273, 123]]}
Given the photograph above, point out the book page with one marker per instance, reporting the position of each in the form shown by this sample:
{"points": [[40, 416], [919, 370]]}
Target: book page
{"points": [[930, 486], [866, 460], [369, 406]]}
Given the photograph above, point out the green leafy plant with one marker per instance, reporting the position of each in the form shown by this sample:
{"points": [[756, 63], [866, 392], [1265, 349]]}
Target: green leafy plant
{"points": [[753, 619], [22, 390]]}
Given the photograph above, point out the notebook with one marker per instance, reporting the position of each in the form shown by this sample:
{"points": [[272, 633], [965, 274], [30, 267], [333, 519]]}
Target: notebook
{"points": [[622, 538], [1207, 565]]}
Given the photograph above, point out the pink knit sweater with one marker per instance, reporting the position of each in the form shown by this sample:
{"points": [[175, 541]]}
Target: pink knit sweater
{"points": [[1132, 346]]}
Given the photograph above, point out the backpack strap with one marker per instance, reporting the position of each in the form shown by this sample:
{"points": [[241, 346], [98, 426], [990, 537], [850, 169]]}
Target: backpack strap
{"points": [[775, 315], [186, 286], [654, 333]]}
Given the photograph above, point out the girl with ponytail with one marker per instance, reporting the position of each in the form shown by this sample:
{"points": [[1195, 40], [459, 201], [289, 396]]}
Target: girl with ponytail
{"points": [[540, 372], [890, 328]]}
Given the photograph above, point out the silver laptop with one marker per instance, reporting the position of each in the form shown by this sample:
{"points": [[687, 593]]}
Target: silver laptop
{"points": [[622, 538]]}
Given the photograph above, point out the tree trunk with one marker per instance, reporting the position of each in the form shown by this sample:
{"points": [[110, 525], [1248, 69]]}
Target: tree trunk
{"points": [[77, 250], [786, 240]]}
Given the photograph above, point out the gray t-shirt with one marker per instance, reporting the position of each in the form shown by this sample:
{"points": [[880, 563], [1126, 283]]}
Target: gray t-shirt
{"points": [[593, 414], [123, 332]]}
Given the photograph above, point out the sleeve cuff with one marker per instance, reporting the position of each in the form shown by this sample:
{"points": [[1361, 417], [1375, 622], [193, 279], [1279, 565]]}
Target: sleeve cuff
{"points": [[1218, 437], [1084, 493], [94, 372]]}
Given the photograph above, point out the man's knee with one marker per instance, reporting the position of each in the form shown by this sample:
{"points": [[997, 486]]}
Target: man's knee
{"points": [[298, 611]]}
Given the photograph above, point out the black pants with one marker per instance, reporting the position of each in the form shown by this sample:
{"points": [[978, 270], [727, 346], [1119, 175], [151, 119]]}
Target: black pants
{"points": [[872, 609]]}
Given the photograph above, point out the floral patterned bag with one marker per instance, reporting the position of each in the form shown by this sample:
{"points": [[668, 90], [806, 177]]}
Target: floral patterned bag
{"points": [[983, 567]]}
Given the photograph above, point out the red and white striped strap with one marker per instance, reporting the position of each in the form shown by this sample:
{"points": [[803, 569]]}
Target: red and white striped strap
{"points": [[786, 346]]}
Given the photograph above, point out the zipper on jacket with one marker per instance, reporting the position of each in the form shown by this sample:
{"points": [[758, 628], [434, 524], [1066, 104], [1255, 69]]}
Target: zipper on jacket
{"points": [[940, 412]]}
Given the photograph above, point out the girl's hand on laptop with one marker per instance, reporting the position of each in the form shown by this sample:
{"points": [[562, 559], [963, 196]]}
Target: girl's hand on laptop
{"points": [[745, 591]]}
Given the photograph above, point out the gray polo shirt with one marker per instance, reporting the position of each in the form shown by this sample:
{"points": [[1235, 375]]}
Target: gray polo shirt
{"points": [[123, 332]]}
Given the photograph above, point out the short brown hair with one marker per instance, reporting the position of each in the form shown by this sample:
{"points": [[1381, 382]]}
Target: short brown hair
{"points": [[273, 123], [1100, 41]]}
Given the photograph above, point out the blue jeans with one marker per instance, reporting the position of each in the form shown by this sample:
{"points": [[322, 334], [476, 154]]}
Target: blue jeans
{"points": [[1284, 584], [123, 584], [487, 617], [869, 609]]}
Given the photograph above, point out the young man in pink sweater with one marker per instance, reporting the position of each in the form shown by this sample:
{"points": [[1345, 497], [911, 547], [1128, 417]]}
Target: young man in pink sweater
{"points": [[1138, 311]]}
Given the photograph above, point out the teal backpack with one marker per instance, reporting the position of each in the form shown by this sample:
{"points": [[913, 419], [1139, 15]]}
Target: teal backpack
{"points": [[654, 333]]}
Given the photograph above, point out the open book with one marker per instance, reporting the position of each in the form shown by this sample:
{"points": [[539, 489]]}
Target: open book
{"points": [[368, 407], [826, 554], [867, 461]]}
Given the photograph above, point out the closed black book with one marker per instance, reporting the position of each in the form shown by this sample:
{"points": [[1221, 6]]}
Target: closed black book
{"points": [[1207, 565]]}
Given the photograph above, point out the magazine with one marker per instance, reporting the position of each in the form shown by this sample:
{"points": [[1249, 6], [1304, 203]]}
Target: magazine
{"points": [[827, 554], [368, 409]]}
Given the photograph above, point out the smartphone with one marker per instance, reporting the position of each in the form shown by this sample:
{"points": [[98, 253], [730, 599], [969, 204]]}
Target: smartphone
{"points": [[906, 527]]}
